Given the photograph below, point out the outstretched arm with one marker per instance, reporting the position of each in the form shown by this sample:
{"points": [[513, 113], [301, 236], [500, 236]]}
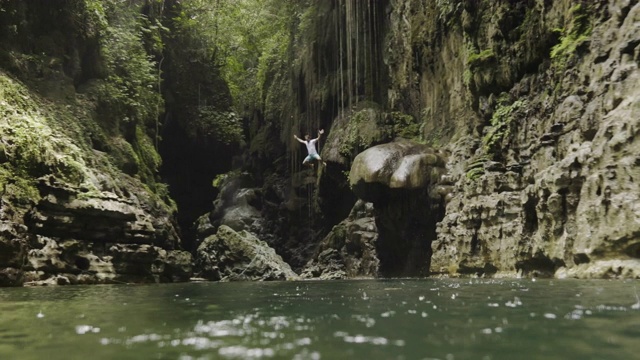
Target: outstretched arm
{"points": [[320, 132], [297, 138]]}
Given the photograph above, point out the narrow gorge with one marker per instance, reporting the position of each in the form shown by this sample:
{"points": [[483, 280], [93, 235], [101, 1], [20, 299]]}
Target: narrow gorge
{"points": [[153, 140]]}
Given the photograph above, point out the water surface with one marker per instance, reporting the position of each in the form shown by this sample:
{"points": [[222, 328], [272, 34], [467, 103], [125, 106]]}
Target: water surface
{"points": [[367, 319]]}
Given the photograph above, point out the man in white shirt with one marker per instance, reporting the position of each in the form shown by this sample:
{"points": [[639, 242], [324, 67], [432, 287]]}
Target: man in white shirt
{"points": [[311, 148]]}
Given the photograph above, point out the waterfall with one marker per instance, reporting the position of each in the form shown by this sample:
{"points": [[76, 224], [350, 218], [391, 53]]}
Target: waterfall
{"points": [[359, 56]]}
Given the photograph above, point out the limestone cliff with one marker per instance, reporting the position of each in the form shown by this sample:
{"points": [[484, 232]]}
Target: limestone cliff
{"points": [[535, 104], [80, 200], [541, 101]]}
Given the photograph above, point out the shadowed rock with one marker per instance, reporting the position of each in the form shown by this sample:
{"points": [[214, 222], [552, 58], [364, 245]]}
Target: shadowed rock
{"points": [[348, 251], [230, 255]]}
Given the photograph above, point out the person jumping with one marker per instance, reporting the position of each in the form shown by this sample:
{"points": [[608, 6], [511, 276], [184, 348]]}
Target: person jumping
{"points": [[311, 148]]}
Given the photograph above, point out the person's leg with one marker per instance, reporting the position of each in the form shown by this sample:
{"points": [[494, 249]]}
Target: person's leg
{"points": [[307, 161], [319, 159]]}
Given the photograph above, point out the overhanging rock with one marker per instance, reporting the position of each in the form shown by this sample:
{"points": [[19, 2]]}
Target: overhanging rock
{"points": [[401, 179], [402, 164]]}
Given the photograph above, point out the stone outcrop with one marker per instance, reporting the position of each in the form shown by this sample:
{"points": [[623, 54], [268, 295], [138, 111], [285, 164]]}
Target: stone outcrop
{"points": [[349, 250], [100, 238], [278, 213], [230, 256], [238, 204], [403, 181]]}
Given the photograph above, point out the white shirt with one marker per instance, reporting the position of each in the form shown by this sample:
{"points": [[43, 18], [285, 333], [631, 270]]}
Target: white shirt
{"points": [[311, 146]]}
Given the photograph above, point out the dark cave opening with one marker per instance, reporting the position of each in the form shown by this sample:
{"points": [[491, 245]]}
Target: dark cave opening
{"points": [[189, 168], [406, 223]]}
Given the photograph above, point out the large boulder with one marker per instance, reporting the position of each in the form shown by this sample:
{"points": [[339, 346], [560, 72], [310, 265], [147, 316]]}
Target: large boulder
{"points": [[402, 164], [403, 181], [230, 255]]}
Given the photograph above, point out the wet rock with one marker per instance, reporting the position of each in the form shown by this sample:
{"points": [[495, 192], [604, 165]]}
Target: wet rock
{"points": [[89, 263], [566, 207], [229, 256], [11, 276], [348, 251], [353, 132], [602, 269]]}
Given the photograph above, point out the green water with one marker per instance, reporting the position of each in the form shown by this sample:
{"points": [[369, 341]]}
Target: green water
{"points": [[390, 319]]}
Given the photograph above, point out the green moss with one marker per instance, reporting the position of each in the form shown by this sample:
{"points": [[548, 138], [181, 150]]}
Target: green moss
{"points": [[21, 191], [467, 77], [501, 122], [478, 63], [479, 59], [148, 159], [405, 125], [475, 168], [33, 143], [368, 126], [357, 135], [162, 191], [123, 156], [577, 33], [475, 173]]}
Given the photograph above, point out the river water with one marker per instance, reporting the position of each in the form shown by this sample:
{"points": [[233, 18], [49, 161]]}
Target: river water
{"points": [[364, 319]]}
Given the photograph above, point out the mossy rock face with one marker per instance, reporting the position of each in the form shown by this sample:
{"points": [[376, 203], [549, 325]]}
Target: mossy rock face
{"points": [[348, 251], [576, 34], [353, 133], [55, 184], [366, 126], [504, 117]]}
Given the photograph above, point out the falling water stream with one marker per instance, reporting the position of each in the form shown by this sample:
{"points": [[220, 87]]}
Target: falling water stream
{"points": [[366, 319]]}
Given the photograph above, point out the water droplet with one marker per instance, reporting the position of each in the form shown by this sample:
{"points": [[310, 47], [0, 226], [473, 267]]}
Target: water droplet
{"points": [[40, 315]]}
